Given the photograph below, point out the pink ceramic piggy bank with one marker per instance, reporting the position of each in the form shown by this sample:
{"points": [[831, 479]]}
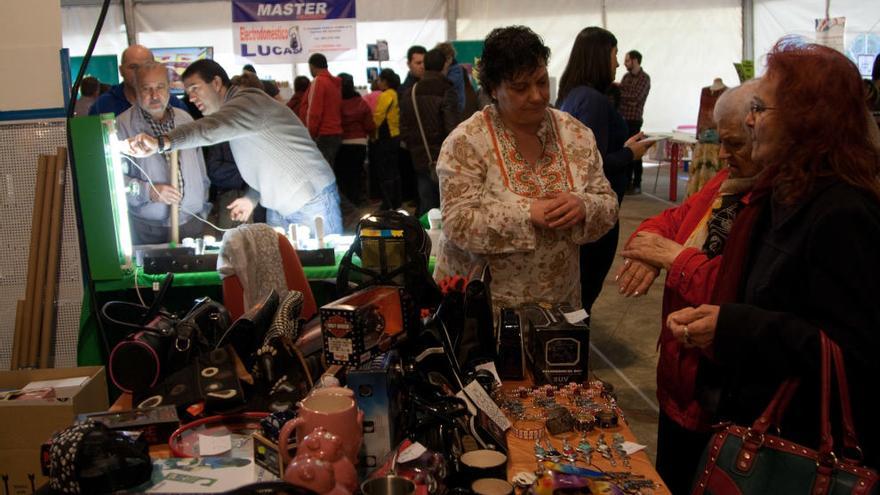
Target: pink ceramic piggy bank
{"points": [[314, 474], [322, 444]]}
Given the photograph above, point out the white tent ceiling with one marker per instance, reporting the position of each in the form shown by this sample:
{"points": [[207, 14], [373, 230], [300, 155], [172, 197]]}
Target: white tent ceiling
{"points": [[685, 43]]}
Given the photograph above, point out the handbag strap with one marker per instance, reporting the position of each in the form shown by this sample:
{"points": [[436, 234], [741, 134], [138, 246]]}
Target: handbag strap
{"points": [[831, 352], [826, 440], [850, 440], [421, 128], [774, 411]]}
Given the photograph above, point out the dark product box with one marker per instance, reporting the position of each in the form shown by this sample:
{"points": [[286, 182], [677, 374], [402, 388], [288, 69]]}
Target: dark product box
{"points": [[268, 457], [362, 325], [156, 424], [26, 424], [317, 257], [379, 394], [558, 350], [511, 361]]}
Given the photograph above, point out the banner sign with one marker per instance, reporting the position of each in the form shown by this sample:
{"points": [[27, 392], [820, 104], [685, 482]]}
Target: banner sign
{"points": [[830, 32], [288, 31]]}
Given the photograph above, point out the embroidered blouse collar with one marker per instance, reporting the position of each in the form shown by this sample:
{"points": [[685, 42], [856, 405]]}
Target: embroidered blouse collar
{"points": [[544, 130]]}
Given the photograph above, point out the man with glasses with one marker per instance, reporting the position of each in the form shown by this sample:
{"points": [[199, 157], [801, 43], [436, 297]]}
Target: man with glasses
{"points": [[149, 189]]}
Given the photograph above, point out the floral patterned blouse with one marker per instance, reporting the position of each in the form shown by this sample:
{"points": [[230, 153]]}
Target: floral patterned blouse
{"points": [[486, 189]]}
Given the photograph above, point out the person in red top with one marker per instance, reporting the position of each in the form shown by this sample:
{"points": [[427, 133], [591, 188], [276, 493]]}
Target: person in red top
{"points": [[320, 108], [687, 241], [300, 85], [357, 124]]}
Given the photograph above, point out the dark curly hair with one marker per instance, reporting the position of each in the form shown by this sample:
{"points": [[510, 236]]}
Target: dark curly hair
{"points": [[825, 115], [509, 52]]}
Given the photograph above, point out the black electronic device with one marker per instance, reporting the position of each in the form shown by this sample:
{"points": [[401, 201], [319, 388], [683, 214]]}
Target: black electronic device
{"points": [[558, 349], [142, 253], [180, 263], [511, 353], [317, 257]]}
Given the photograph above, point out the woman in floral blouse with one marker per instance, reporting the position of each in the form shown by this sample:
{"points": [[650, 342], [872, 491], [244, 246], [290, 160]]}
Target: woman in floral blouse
{"points": [[521, 184]]}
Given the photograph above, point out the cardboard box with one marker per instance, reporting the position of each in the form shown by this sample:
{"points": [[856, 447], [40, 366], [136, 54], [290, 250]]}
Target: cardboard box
{"points": [[558, 349], [362, 325], [268, 457], [378, 390], [25, 425]]}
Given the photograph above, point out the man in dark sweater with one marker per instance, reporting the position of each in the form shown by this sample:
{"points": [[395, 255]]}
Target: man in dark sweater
{"points": [[428, 113], [123, 95]]}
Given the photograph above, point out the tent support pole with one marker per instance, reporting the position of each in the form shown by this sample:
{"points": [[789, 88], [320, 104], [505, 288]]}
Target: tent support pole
{"points": [[128, 18], [451, 20], [748, 29]]}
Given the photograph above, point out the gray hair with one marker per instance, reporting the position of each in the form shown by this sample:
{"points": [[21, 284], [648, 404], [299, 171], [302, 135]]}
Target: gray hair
{"points": [[734, 103]]}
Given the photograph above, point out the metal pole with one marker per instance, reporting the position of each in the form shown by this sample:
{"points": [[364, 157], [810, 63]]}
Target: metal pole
{"points": [[604, 15], [128, 18], [451, 20], [748, 30]]}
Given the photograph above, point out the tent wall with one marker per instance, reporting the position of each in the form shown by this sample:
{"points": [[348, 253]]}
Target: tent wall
{"points": [[665, 35], [685, 43], [777, 18], [684, 46], [77, 24]]}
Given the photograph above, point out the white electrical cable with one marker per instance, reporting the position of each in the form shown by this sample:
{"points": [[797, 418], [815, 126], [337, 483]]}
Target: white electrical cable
{"points": [[153, 186], [137, 289]]}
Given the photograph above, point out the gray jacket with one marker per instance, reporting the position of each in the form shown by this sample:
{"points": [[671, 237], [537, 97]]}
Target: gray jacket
{"points": [[192, 169], [273, 150]]}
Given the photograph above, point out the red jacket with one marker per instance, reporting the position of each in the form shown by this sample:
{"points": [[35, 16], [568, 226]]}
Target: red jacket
{"points": [[689, 282], [357, 118], [320, 107]]}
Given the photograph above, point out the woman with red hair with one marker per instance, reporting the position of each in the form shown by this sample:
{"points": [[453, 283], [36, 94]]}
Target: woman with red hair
{"points": [[802, 255]]}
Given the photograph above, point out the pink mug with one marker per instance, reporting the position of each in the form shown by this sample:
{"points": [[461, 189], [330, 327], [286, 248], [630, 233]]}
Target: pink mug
{"points": [[333, 408]]}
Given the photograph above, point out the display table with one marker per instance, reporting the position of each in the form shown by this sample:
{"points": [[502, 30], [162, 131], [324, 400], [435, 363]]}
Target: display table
{"points": [[522, 452], [676, 142]]}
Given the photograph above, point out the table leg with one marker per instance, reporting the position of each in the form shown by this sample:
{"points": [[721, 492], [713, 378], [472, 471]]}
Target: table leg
{"points": [[674, 163]]}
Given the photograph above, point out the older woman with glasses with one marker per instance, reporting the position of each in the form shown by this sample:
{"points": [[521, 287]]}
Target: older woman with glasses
{"points": [[688, 242], [802, 255], [521, 184]]}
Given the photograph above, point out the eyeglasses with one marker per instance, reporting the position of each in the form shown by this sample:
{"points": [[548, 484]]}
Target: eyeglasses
{"points": [[757, 108]]}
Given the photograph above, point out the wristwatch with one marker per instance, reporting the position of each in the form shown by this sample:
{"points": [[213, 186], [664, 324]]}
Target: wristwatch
{"points": [[163, 143]]}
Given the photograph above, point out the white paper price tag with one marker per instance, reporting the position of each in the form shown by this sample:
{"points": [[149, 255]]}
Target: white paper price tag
{"points": [[211, 445], [411, 453], [482, 400], [631, 447], [576, 317]]}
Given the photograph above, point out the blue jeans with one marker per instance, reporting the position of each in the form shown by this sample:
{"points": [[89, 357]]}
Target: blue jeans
{"points": [[325, 204]]}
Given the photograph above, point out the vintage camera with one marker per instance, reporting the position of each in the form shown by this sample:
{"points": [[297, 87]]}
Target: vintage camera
{"points": [[558, 349], [159, 343]]}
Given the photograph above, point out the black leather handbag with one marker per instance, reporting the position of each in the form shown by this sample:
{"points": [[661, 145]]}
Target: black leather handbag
{"points": [[748, 460]]}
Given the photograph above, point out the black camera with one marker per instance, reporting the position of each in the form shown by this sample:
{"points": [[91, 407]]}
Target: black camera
{"points": [[160, 343]]}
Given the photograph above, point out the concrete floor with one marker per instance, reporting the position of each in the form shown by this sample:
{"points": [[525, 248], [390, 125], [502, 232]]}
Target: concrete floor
{"points": [[625, 330]]}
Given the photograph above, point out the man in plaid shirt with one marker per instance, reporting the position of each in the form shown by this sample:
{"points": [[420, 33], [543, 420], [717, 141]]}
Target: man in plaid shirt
{"points": [[634, 88]]}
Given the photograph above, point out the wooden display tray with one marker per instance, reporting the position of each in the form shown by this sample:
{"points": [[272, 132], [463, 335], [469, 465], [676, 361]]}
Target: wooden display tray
{"points": [[522, 452]]}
